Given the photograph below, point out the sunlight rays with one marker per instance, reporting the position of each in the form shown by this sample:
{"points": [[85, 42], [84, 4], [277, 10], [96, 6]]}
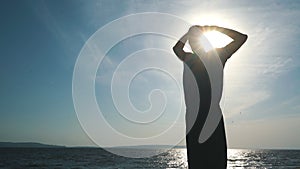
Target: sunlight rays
{"points": [[216, 40]]}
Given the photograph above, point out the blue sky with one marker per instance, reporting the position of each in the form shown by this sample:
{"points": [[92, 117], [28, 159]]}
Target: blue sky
{"points": [[40, 42]]}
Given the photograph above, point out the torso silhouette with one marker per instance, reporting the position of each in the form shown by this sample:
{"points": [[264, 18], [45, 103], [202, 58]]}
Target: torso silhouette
{"points": [[211, 154]]}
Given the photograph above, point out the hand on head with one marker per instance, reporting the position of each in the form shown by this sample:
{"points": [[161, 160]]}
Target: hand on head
{"points": [[204, 28], [194, 28], [194, 31]]}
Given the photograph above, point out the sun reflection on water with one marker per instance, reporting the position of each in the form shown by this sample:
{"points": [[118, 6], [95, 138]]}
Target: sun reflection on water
{"points": [[237, 158], [178, 159]]}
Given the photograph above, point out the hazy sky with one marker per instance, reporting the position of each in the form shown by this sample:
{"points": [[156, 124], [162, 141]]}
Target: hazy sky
{"points": [[40, 42]]}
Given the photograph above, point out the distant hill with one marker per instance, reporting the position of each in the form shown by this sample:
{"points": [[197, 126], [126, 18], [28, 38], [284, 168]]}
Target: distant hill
{"points": [[150, 146], [27, 145]]}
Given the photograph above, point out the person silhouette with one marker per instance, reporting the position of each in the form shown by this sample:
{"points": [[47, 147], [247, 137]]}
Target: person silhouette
{"points": [[212, 153]]}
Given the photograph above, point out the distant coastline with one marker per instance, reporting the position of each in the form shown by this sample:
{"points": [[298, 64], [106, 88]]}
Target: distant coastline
{"points": [[27, 145], [149, 147], [41, 145]]}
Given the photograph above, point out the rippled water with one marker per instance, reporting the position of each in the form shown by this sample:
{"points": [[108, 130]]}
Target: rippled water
{"points": [[175, 158]]}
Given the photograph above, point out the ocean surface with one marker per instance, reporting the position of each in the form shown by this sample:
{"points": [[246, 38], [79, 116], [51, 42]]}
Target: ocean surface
{"points": [[175, 158]]}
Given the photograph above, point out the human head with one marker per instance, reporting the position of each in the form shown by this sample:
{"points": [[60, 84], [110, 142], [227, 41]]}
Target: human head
{"points": [[195, 32]]}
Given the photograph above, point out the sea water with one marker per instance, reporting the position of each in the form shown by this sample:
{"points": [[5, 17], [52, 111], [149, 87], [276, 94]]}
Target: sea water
{"points": [[174, 158]]}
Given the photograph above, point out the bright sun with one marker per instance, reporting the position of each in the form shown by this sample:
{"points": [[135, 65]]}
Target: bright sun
{"points": [[216, 40]]}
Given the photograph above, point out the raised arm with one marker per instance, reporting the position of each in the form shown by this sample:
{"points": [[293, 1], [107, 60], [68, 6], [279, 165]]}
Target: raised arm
{"points": [[178, 48], [238, 39]]}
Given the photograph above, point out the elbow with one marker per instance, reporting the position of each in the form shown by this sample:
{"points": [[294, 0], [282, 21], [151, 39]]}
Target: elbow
{"points": [[178, 52], [245, 37], [175, 50], [242, 39]]}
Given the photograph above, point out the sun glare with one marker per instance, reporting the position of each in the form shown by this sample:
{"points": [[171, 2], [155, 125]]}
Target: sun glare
{"points": [[214, 39]]}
